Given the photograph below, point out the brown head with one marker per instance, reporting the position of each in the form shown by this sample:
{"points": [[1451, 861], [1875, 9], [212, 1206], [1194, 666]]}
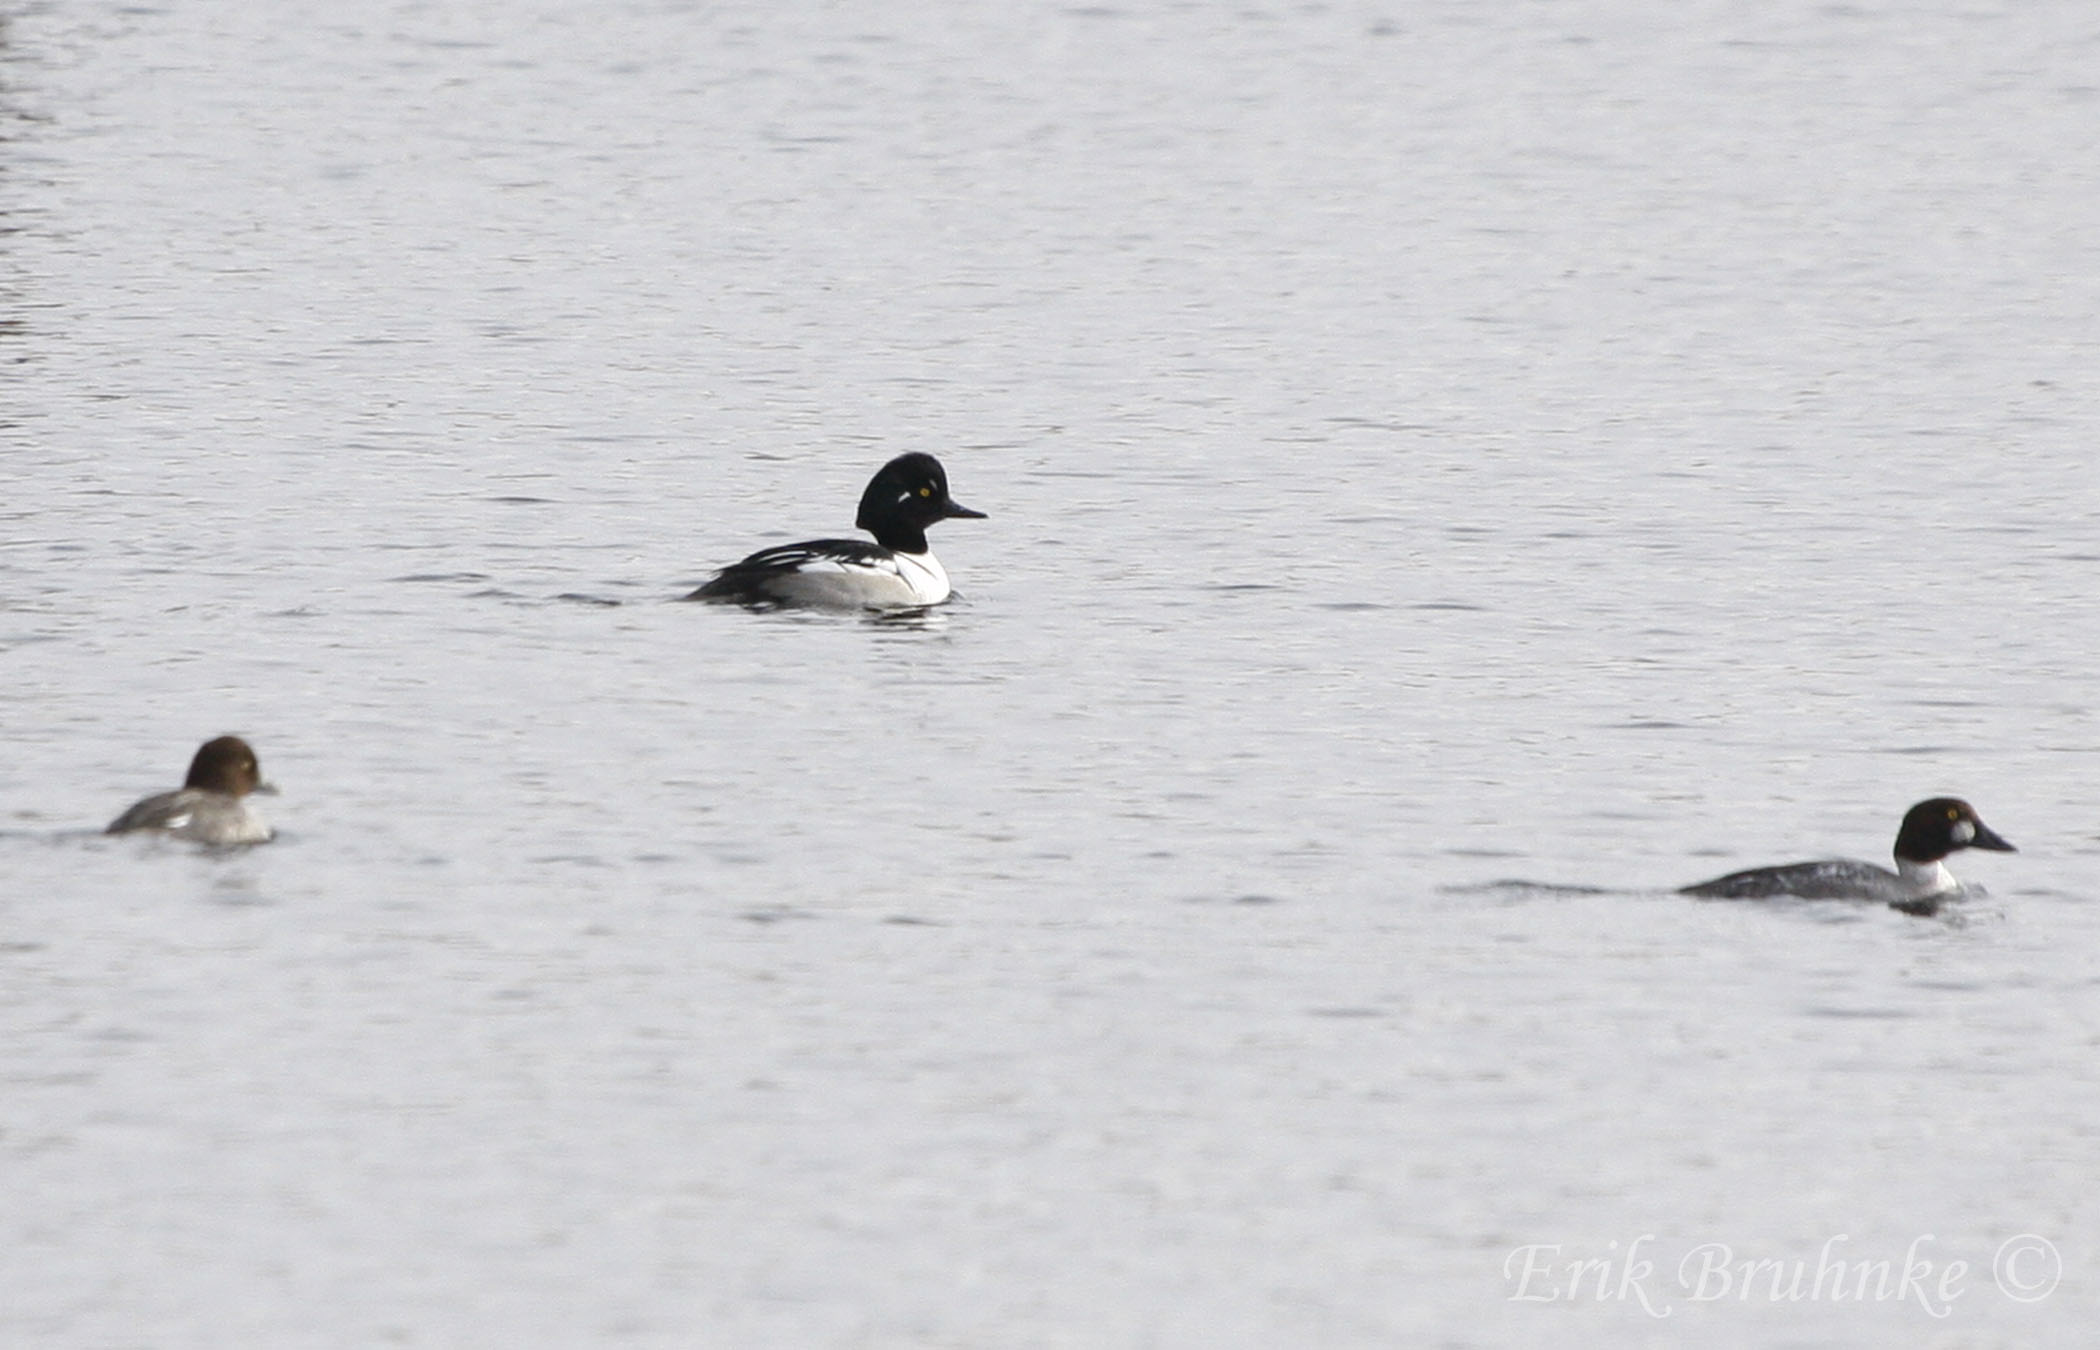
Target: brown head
{"points": [[228, 765]]}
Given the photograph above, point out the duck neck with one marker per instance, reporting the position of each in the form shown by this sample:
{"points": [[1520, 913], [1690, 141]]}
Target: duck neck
{"points": [[901, 538], [1926, 878]]}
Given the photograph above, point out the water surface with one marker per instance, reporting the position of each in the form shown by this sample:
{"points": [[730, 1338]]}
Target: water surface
{"points": [[1588, 446]]}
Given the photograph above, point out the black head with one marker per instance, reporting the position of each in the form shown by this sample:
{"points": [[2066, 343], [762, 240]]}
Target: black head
{"points": [[1943, 825], [904, 497], [226, 765]]}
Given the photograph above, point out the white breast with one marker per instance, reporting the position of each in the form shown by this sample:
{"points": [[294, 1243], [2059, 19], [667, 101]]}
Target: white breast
{"points": [[925, 575]]}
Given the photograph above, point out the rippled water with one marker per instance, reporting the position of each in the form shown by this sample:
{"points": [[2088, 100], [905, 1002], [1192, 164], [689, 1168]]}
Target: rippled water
{"points": [[1456, 472]]}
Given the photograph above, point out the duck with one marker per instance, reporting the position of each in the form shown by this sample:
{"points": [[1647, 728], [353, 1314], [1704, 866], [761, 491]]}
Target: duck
{"points": [[896, 571], [211, 806], [1931, 831]]}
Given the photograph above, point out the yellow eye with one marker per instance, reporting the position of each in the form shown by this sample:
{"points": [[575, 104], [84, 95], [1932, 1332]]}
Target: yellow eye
{"points": [[1954, 813], [925, 492]]}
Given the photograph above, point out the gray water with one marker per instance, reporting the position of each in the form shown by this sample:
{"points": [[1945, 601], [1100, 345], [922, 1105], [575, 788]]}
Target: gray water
{"points": [[1456, 471]]}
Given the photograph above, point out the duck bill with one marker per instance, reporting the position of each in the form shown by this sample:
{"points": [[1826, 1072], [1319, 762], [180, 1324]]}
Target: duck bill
{"points": [[955, 510], [265, 788], [1990, 839]]}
